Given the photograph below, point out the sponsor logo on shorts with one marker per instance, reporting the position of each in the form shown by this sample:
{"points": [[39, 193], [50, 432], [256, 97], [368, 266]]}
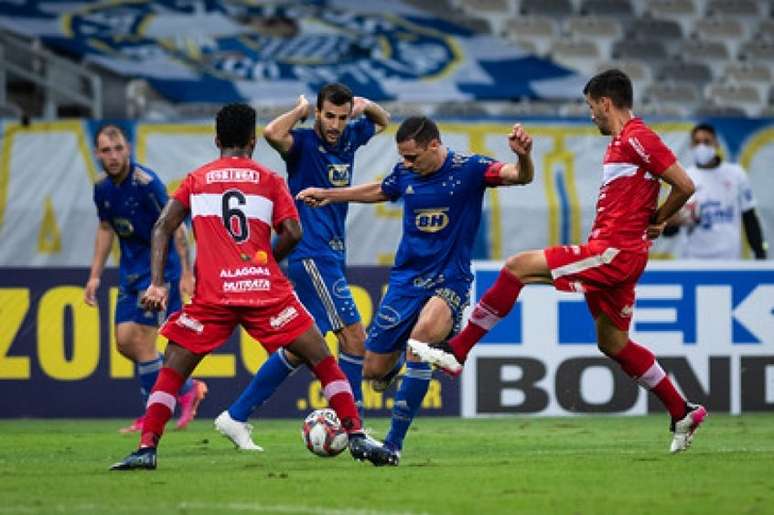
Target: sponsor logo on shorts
{"points": [[244, 271], [284, 316], [428, 281], [188, 322], [452, 298], [577, 286], [340, 289], [246, 285], [387, 317], [627, 311], [233, 175], [337, 245]]}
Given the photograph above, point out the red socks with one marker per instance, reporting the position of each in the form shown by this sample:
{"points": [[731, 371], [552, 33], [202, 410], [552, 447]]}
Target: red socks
{"points": [[339, 394], [161, 406], [495, 304], [639, 363]]}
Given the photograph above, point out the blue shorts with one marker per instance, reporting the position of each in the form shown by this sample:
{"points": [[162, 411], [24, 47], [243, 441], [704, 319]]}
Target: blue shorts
{"points": [[128, 308], [400, 308], [322, 286]]}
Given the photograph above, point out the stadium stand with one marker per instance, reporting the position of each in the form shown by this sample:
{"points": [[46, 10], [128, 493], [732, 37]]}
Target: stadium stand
{"points": [[724, 49]]}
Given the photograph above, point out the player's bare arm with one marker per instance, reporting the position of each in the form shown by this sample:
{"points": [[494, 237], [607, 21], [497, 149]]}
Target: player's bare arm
{"points": [[682, 189], [288, 235], [181, 245], [523, 171], [370, 193], [372, 111], [102, 244], [173, 214], [277, 132]]}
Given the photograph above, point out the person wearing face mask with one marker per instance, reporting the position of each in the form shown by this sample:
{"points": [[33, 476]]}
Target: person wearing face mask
{"points": [[722, 203]]}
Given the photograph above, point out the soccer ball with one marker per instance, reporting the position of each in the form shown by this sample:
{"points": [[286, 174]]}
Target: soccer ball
{"points": [[323, 434]]}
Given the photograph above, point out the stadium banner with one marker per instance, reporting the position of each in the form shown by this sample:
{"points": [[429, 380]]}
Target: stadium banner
{"points": [[58, 356], [47, 171], [270, 52], [711, 325]]}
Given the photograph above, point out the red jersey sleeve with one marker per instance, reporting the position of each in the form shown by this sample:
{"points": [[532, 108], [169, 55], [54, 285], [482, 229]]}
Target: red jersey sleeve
{"points": [[650, 152], [284, 206], [492, 174], [183, 193]]}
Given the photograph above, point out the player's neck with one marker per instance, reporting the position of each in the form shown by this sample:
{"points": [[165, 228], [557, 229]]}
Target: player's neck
{"points": [[236, 152], [443, 153], [619, 119], [118, 179]]}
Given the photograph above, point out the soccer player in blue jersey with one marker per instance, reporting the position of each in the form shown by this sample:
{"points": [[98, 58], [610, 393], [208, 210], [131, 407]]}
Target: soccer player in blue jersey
{"points": [[129, 198], [322, 156], [442, 192]]}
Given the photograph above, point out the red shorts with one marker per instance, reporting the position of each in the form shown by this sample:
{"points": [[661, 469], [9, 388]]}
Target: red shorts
{"points": [[606, 275], [202, 328]]}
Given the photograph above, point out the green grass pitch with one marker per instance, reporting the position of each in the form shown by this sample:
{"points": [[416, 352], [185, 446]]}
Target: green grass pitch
{"points": [[581, 465]]}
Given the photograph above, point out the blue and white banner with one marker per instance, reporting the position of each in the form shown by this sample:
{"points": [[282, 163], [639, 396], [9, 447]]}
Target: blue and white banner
{"points": [[270, 52], [710, 324]]}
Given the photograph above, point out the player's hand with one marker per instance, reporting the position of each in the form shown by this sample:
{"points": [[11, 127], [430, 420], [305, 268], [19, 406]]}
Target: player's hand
{"points": [[359, 105], [304, 107], [519, 140], [314, 197], [155, 298], [90, 291], [186, 285], [654, 230]]}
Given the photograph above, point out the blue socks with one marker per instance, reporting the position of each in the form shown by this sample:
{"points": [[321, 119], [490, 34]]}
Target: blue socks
{"points": [[148, 371], [271, 374], [408, 401], [352, 366]]}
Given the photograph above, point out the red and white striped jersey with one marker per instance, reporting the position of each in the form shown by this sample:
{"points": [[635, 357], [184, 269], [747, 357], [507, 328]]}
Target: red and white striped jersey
{"points": [[627, 199], [234, 203]]}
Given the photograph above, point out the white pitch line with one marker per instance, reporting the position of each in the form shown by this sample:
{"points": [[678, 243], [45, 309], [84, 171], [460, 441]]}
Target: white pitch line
{"points": [[220, 507]]}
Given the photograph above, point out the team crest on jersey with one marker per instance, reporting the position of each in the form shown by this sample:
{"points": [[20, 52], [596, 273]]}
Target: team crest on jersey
{"points": [[431, 220], [123, 227], [338, 174]]}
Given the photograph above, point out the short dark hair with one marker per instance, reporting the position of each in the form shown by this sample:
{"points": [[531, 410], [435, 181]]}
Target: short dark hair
{"points": [[421, 129], [704, 127], [613, 84], [235, 125], [110, 129], [335, 93]]}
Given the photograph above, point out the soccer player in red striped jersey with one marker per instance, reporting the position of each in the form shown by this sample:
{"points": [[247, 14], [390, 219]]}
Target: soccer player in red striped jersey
{"points": [[234, 204], [605, 268]]}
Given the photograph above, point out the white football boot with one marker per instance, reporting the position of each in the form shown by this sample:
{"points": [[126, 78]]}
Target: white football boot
{"points": [[238, 432], [685, 428], [439, 355]]}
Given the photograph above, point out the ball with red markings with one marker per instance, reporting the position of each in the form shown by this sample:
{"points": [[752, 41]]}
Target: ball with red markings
{"points": [[323, 434]]}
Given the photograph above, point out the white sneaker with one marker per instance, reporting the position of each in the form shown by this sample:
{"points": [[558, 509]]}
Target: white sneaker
{"points": [[686, 427], [439, 355], [238, 432]]}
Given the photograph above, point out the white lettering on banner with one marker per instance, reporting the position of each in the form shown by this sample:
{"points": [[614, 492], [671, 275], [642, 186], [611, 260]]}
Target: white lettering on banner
{"points": [[284, 316], [244, 271], [233, 175], [246, 285], [711, 325]]}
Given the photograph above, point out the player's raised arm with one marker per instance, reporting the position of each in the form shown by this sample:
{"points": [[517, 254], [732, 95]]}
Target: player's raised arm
{"points": [[171, 217], [102, 244], [277, 133], [370, 193], [372, 111], [682, 189], [523, 170]]}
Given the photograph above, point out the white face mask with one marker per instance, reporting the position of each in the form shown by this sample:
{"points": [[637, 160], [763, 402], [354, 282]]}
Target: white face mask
{"points": [[703, 154]]}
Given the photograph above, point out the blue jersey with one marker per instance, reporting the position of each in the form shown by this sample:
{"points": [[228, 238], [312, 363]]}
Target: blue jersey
{"points": [[131, 208], [313, 163], [441, 215]]}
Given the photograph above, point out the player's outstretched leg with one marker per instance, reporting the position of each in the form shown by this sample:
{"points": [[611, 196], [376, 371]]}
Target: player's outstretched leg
{"points": [[408, 400], [232, 423], [494, 305], [382, 384]]}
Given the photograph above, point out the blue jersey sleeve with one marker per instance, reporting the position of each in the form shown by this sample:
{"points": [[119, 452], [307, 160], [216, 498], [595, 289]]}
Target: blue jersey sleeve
{"points": [[391, 184], [363, 130], [299, 135], [157, 194], [102, 214]]}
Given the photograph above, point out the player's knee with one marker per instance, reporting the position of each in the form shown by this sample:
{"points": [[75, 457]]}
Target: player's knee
{"points": [[373, 370], [517, 263]]}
